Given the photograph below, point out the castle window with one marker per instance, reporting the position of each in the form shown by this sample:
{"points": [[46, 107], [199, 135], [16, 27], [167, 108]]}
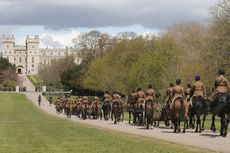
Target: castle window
{"points": [[20, 52], [32, 59], [20, 60], [32, 65], [10, 52], [30, 52], [34, 52], [5, 52], [14, 52], [7, 46], [15, 59], [32, 46], [51, 53], [7, 58], [26, 60]]}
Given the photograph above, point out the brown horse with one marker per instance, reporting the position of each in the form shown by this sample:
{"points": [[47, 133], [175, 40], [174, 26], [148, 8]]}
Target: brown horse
{"points": [[179, 112], [149, 113], [84, 107], [95, 110], [58, 106], [68, 108]]}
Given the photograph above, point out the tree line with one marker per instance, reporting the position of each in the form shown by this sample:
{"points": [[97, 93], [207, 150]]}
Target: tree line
{"points": [[127, 61], [8, 77]]}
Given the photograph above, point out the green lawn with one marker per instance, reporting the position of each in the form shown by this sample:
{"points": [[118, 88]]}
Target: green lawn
{"points": [[26, 129], [34, 80]]}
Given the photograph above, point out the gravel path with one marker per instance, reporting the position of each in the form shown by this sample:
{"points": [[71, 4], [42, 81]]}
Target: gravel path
{"points": [[207, 139]]}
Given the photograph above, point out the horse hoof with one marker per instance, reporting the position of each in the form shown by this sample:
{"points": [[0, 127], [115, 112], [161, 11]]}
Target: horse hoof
{"points": [[196, 131], [213, 129], [184, 131], [224, 134]]}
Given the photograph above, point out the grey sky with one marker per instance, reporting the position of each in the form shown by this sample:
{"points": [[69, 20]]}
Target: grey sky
{"points": [[58, 14]]}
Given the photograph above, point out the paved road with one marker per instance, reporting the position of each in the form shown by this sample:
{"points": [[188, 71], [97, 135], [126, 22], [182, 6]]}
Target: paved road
{"points": [[206, 140], [26, 83]]}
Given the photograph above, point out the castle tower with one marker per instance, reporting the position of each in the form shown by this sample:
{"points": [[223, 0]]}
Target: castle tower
{"points": [[8, 43], [32, 54]]}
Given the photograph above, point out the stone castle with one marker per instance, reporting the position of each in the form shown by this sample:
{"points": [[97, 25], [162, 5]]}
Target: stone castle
{"points": [[27, 58]]}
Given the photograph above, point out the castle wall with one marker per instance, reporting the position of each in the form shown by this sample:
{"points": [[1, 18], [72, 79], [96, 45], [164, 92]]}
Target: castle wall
{"points": [[27, 58]]}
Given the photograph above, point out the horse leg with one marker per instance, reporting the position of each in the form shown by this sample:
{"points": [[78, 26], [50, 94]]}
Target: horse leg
{"points": [[204, 118], [226, 126], [175, 126], [179, 126], [199, 124], [213, 127], [129, 116], [222, 120], [185, 124], [191, 121]]}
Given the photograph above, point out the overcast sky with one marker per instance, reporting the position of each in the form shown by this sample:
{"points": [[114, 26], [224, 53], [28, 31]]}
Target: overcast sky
{"points": [[59, 21]]}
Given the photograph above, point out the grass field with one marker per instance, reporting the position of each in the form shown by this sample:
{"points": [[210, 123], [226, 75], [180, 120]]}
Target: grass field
{"points": [[26, 129], [34, 80]]}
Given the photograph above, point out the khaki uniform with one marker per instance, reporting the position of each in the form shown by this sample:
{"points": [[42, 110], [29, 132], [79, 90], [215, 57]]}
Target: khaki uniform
{"points": [[134, 94], [150, 94], [85, 100], [198, 89], [96, 100], [222, 84], [187, 94], [106, 97], [178, 91], [169, 94], [116, 98], [140, 96]]}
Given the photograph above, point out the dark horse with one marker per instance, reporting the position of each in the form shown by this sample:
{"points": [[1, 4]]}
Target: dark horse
{"points": [[116, 111], [199, 107], [221, 107], [131, 106], [138, 113], [106, 107]]}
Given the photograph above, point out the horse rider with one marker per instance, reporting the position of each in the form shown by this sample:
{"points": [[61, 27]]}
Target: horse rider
{"points": [[178, 92], [95, 101], [107, 96], [85, 101], [140, 96], [116, 98], [150, 93], [198, 89], [133, 93], [222, 84], [187, 92], [169, 94]]}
